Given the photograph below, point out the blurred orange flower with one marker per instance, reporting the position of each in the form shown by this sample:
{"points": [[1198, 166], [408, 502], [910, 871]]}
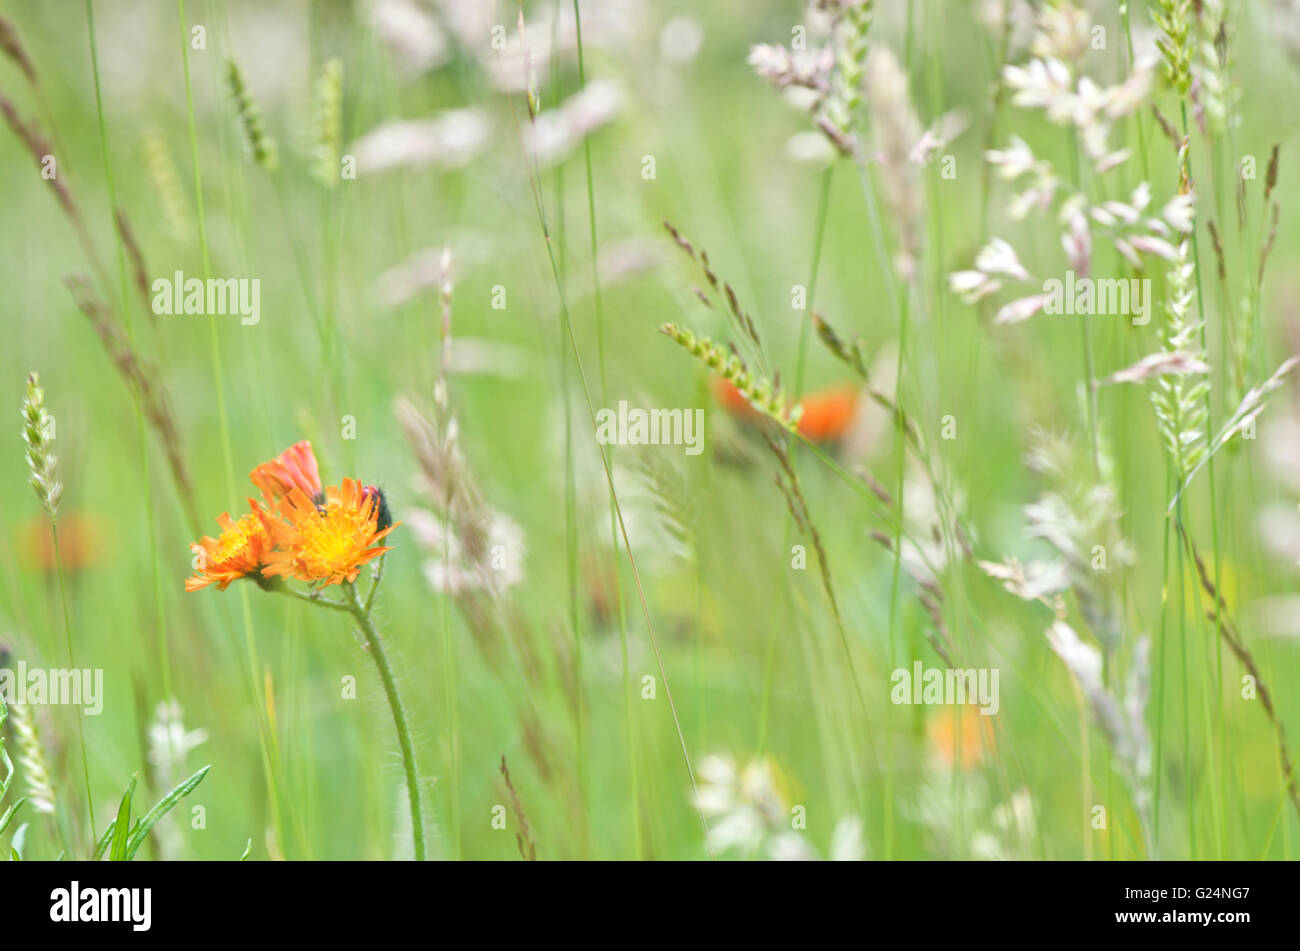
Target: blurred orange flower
{"points": [[960, 731], [828, 414], [80, 541]]}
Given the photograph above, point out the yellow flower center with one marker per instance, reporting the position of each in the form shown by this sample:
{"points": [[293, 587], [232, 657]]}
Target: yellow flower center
{"points": [[330, 545], [235, 542]]}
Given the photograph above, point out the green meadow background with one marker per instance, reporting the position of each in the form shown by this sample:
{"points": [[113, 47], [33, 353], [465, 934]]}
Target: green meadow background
{"points": [[753, 659]]}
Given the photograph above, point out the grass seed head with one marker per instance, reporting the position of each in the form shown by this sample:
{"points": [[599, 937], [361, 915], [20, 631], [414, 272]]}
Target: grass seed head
{"points": [[38, 435], [259, 142], [32, 761], [12, 47], [764, 395], [328, 124]]}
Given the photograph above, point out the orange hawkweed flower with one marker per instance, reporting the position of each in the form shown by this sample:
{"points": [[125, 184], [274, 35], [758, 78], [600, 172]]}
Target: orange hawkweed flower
{"points": [[295, 468], [828, 414], [80, 541], [241, 550], [326, 544], [963, 727]]}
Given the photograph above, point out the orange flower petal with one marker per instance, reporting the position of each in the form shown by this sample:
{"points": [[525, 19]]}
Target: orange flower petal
{"points": [[295, 468]]}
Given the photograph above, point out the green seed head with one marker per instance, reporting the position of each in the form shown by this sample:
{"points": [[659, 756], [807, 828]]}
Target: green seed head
{"points": [[38, 436]]}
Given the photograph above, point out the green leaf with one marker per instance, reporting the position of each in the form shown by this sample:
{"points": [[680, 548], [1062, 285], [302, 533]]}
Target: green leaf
{"points": [[8, 817], [247, 849], [122, 826], [161, 809], [101, 845], [5, 762], [17, 842]]}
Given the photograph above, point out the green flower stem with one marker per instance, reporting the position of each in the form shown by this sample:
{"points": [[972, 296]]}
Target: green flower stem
{"points": [[375, 648], [315, 599], [374, 583]]}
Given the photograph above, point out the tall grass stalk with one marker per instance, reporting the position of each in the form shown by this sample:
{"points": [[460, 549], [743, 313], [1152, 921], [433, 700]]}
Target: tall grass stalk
{"points": [[540, 206], [1160, 675], [164, 661], [1137, 116], [898, 306], [72, 664], [451, 701], [1216, 164], [572, 544], [598, 302], [219, 390], [43, 476], [1209, 426], [805, 329]]}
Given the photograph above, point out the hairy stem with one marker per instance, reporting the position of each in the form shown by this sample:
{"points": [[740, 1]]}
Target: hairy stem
{"points": [[375, 648]]}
